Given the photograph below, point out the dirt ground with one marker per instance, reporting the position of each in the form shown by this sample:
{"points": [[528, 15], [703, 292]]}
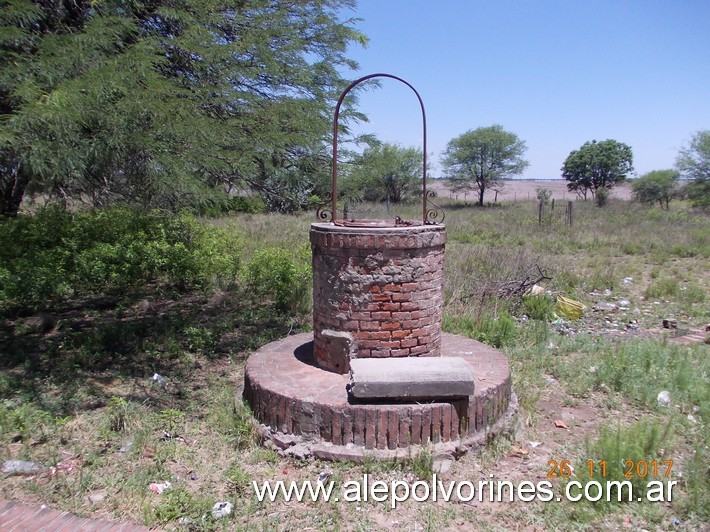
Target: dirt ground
{"points": [[523, 190]]}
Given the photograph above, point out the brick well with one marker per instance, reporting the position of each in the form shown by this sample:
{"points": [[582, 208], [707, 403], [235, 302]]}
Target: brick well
{"points": [[382, 286]]}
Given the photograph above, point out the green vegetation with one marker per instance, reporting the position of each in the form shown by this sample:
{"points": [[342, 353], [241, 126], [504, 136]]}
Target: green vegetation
{"points": [[693, 163], [597, 166], [169, 104], [190, 298], [657, 186], [384, 172], [479, 159]]}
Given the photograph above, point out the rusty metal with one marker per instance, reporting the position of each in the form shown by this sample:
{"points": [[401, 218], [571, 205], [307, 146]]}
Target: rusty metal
{"points": [[429, 216]]}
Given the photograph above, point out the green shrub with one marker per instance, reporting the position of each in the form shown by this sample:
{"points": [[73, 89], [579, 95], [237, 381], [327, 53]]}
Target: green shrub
{"points": [[496, 332], [666, 286], [539, 307], [278, 280], [628, 455], [57, 254]]}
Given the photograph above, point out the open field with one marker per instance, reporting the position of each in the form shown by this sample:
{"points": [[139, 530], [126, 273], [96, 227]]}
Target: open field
{"points": [[77, 392], [525, 190]]}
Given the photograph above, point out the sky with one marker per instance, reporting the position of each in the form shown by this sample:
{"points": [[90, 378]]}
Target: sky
{"points": [[555, 73]]}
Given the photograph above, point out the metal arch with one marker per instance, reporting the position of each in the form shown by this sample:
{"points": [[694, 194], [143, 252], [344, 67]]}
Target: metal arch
{"points": [[334, 193]]}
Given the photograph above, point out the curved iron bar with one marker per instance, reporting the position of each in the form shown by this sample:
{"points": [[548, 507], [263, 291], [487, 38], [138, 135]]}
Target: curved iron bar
{"points": [[324, 214], [334, 193], [431, 215]]}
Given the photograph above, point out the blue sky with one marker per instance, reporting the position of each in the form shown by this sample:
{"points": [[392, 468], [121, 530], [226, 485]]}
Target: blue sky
{"points": [[556, 73]]}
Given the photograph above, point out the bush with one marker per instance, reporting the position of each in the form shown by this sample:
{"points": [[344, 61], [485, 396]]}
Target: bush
{"points": [[57, 254], [539, 307], [496, 332], [273, 276]]}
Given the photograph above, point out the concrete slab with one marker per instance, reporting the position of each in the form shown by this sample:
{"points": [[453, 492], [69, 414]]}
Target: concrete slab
{"points": [[410, 378]]}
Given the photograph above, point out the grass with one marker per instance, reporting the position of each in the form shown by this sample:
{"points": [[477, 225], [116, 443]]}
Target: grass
{"points": [[76, 387]]}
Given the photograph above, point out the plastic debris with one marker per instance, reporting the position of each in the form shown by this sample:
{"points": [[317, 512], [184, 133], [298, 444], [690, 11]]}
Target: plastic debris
{"points": [[159, 487], [324, 475], [561, 424], [221, 509], [160, 380], [664, 398], [537, 290], [21, 467], [569, 308], [534, 444], [628, 280], [624, 303]]}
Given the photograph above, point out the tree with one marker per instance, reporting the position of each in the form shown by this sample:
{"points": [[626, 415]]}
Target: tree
{"points": [[479, 159], [165, 103], [385, 172], [656, 186], [597, 165], [693, 162]]}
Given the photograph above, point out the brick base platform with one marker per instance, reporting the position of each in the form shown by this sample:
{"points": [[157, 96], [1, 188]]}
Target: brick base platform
{"points": [[291, 396]]}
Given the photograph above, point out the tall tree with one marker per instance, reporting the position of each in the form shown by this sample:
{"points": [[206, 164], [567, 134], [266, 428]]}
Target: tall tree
{"points": [[162, 102], [385, 172], [656, 186], [693, 162], [597, 165], [480, 158]]}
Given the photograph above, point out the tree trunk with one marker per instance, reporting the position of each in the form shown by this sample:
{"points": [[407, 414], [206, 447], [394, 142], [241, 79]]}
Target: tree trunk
{"points": [[481, 190], [12, 190]]}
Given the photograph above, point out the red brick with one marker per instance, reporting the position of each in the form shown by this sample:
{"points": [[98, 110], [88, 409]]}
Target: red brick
{"points": [[393, 429], [416, 430], [405, 426], [369, 325], [379, 335], [446, 422], [337, 427], [399, 352], [392, 287], [391, 326], [408, 342], [370, 428], [402, 333], [401, 316], [436, 424], [391, 307], [359, 427], [382, 315], [347, 426], [401, 297], [426, 425], [382, 428]]}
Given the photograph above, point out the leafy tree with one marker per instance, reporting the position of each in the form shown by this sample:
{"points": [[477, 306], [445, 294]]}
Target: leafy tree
{"points": [[657, 186], [693, 162], [480, 158], [597, 165], [164, 103], [385, 172]]}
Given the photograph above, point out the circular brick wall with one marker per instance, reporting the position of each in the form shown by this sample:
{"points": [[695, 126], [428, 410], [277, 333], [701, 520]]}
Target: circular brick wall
{"points": [[377, 292], [290, 395]]}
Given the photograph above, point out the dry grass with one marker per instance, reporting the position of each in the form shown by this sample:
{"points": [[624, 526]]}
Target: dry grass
{"points": [[111, 431]]}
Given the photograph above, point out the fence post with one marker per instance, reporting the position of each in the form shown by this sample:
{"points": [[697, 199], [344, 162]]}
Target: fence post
{"points": [[539, 212], [569, 213]]}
